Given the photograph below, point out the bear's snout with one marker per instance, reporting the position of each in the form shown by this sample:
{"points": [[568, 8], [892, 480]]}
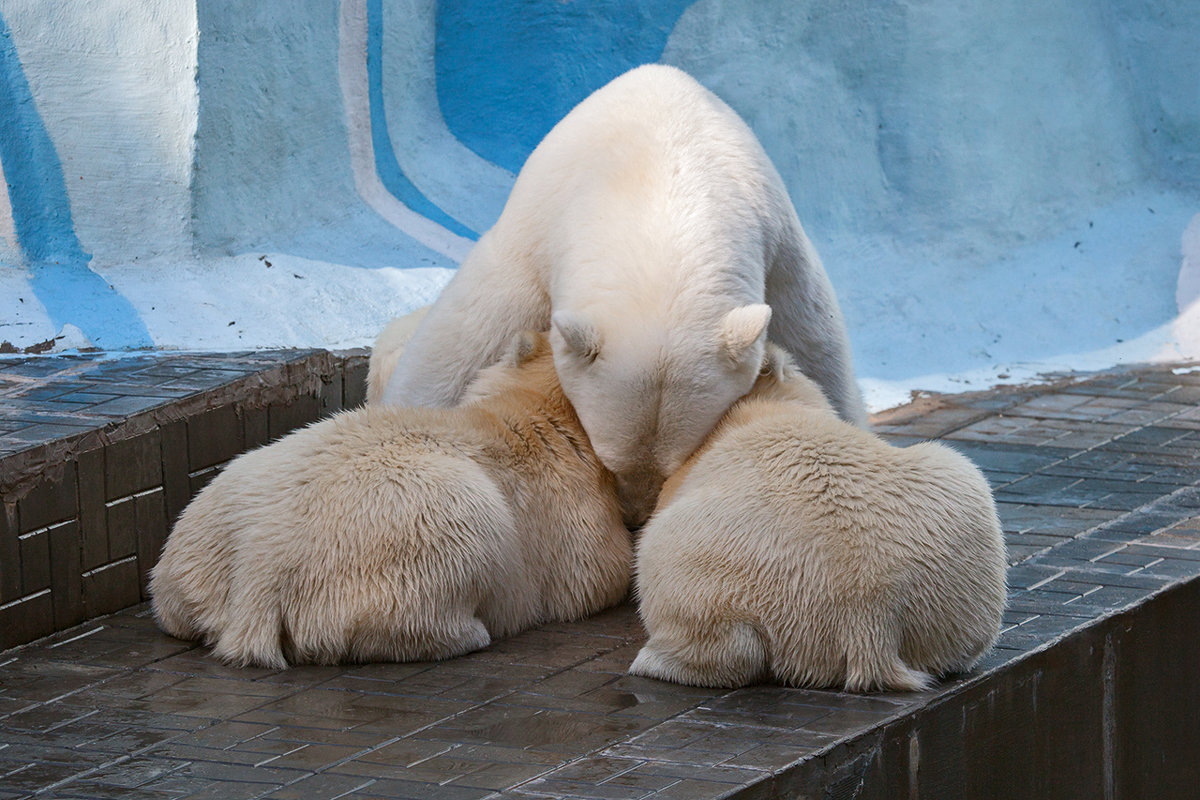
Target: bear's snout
{"points": [[638, 492]]}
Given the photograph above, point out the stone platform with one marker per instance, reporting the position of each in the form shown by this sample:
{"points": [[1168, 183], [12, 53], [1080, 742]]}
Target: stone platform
{"points": [[1091, 692], [99, 455]]}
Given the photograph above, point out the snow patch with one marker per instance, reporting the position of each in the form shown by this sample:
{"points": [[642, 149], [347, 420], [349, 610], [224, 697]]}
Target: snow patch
{"points": [[69, 339]]}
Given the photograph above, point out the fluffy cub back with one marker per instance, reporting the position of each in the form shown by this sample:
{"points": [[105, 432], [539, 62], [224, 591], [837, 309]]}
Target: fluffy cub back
{"points": [[387, 533], [797, 547]]}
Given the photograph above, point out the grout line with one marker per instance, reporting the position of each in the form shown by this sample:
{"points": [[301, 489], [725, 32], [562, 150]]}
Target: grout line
{"points": [[64, 723], [27, 597], [83, 635], [355, 789], [279, 756], [109, 565], [1044, 581], [1108, 553]]}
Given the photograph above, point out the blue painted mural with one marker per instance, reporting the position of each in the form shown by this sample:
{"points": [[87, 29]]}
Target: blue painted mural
{"points": [[940, 155], [535, 61], [41, 216], [386, 165]]}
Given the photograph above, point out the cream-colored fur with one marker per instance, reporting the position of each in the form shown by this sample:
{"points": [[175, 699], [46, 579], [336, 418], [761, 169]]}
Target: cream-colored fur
{"points": [[795, 547], [390, 533], [386, 351], [651, 234]]}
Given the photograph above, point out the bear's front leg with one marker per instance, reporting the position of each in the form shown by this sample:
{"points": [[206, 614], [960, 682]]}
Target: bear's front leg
{"points": [[807, 322], [486, 303]]}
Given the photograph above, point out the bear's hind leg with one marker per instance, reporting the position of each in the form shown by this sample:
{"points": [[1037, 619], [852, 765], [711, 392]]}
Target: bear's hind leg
{"points": [[252, 632], [455, 635], [252, 641], [430, 633], [873, 663], [728, 656], [171, 609]]}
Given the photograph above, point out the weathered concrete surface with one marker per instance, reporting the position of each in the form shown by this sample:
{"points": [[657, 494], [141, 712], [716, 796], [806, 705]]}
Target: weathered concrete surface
{"points": [[1090, 692]]}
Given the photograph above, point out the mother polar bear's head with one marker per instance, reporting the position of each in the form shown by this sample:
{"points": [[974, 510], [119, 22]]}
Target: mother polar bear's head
{"points": [[647, 394]]}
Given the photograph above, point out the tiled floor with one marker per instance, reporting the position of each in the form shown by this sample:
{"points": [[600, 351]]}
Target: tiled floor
{"points": [[48, 399], [98, 455], [1096, 482]]}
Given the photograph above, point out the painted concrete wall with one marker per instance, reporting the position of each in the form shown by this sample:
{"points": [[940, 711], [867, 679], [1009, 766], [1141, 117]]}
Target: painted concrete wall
{"points": [[995, 188], [1004, 176], [97, 117]]}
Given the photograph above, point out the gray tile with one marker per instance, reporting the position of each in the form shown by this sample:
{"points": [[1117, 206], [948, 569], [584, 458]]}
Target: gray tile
{"points": [[283, 418], [10, 553], [151, 515], [26, 619], [93, 513], [35, 561], [51, 500], [213, 437], [65, 574], [175, 481], [111, 587], [121, 524], [133, 465]]}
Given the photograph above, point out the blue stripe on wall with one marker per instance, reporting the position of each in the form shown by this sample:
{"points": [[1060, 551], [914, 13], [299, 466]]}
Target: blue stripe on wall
{"points": [[529, 63], [41, 209], [388, 169]]}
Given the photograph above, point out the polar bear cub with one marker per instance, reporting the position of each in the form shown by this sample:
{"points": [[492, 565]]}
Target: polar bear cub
{"points": [[402, 534], [651, 234], [798, 548]]}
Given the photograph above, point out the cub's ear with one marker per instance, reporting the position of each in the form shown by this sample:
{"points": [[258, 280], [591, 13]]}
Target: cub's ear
{"points": [[741, 329], [578, 334], [776, 363], [523, 347]]}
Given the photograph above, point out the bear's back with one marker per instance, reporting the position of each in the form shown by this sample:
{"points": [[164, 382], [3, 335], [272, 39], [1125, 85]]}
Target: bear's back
{"points": [[801, 487], [908, 534], [651, 170]]}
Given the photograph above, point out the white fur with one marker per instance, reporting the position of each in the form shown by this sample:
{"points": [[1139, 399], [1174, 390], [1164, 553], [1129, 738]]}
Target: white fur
{"points": [[396, 534], [646, 217], [795, 547], [386, 352]]}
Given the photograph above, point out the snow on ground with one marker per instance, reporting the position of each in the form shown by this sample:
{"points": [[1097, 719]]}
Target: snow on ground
{"points": [[272, 300], [1121, 288], [1084, 300]]}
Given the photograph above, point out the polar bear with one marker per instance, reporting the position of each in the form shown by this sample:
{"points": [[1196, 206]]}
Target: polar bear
{"points": [[386, 351], [795, 547], [391, 533], [652, 236]]}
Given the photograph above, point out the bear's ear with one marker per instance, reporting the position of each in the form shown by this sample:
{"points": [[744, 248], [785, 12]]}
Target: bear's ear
{"points": [[742, 328], [523, 347], [579, 335]]}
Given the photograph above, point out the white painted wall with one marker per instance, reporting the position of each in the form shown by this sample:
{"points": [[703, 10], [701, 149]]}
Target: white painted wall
{"points": [[10, 248], [114, 81]]}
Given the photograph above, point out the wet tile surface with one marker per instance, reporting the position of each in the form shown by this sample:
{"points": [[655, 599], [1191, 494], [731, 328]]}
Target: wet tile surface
{"points": [[1096, 482], [98, 456]]}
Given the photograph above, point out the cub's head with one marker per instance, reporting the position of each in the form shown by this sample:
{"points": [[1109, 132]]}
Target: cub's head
{"points": [[647, 396], [527, 364], [780, 379]]}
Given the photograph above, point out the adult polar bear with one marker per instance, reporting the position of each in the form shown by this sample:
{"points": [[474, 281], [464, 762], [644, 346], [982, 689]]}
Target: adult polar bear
{"points": [[650, 232]]}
